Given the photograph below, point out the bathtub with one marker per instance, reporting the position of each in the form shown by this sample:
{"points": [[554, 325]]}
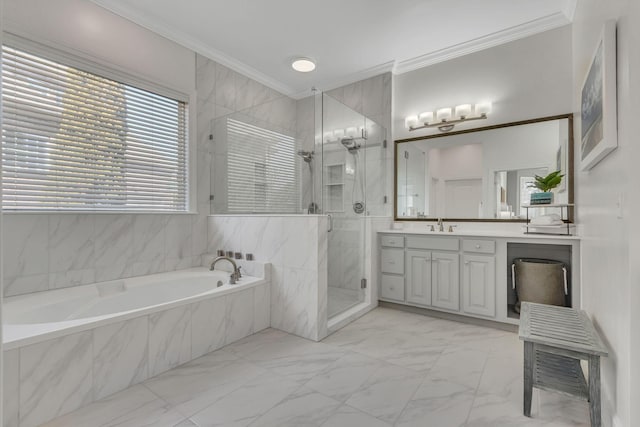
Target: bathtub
{"points": [[75, 345]]}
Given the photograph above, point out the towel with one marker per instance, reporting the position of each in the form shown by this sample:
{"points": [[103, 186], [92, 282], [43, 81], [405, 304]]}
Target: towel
{"points": [[550, 219]]}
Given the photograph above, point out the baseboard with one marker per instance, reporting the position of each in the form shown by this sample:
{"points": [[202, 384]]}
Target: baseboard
{"points": [[450, 316]]}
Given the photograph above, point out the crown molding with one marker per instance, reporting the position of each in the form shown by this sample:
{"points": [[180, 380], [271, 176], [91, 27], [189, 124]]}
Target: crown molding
{"points": [[510, 34], [189, 42], [569, 9], [517, 32]]}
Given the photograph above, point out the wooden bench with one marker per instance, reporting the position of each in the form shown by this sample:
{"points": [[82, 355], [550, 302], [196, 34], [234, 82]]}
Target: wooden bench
{"points": [[555, 340]]}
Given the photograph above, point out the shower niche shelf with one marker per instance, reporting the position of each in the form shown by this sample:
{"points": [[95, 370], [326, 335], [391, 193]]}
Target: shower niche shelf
{"points": [[335, 187]]}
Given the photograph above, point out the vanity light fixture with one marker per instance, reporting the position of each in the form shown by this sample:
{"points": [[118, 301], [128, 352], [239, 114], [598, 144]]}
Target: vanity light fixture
{"points": [[446, 118], [303, 65]]}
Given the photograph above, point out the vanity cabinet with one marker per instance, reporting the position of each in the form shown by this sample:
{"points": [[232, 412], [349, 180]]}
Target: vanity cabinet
{"points": [[419, 268], [432, 279], [446, 281], [430, 275], [465, 274], [479, 285]]}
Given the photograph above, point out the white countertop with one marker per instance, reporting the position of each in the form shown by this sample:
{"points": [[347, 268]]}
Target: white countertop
{"points": [[480, 233]]}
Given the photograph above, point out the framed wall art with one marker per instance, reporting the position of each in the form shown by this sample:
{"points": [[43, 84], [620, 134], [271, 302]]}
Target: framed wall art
{"points": [[598, 113]]}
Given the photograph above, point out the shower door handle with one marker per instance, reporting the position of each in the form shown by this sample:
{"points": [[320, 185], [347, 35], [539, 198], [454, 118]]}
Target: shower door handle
{"points": [[330, 229]]}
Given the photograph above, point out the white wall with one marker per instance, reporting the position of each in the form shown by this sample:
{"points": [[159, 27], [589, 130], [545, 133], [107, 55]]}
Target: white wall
{"points": [[610, 247], [88, 29], [524, 79]]}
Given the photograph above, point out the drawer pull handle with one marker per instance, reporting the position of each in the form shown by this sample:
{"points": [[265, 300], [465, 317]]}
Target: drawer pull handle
{"points": [[477, 246]]}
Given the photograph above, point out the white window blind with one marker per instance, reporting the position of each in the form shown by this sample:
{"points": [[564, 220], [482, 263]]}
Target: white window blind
{"points": [[73, 140], [262, 175]]}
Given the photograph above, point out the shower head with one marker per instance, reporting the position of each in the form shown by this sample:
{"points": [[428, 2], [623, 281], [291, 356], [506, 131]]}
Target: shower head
{"points": [[350, 144], [307, 156]]}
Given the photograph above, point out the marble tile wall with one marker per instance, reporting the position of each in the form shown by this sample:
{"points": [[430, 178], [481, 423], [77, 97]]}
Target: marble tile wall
{"points": [[48, 379], [372, 98], [51, 251], [222, 93], [296, 246]]}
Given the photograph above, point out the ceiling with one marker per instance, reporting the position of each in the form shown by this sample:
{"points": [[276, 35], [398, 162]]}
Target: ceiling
{"points": [[349, 39]]}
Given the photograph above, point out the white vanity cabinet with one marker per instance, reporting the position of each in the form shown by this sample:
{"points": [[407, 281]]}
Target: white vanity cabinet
{"points": [[419, 268], [446, 281], [432, 279], [479, 277], [431, 273], [392, 268], [465, 274]]}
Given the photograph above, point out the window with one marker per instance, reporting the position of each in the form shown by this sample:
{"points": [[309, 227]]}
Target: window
{"points": [[262, 170], [74, 140]]}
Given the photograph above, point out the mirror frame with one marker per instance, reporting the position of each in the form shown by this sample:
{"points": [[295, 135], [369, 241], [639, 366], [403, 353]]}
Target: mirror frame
{"points": [[570, 166]]}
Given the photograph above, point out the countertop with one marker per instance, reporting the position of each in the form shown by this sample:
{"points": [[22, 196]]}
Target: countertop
{"points": [[510, 234]]}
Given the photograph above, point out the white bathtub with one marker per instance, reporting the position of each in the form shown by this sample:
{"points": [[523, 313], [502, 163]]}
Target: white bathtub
{"points": [[44, 315], [76, 345]]}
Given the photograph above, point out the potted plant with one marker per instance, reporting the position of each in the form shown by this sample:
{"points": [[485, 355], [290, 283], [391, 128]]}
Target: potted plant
{"points": [[545, 184]]}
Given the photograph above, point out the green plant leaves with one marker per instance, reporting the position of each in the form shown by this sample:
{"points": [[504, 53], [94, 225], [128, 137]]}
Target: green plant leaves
{"points": [[549, 182]]}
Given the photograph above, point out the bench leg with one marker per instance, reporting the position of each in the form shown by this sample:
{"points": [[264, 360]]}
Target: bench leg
{"points": [[528, 377], [594, 390]]}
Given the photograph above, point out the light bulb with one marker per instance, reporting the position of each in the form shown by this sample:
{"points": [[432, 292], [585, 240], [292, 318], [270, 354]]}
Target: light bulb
{"points": [[463, 110], [426, 117], [483, 108], [411, 121], [443, 114]]}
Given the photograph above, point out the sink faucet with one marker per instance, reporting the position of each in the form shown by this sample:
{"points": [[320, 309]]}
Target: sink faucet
{"points": [[235, 276], [440, 225]]}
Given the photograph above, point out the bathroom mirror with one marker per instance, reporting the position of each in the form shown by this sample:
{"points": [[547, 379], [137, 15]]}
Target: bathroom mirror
{"points": [[482, 174]]}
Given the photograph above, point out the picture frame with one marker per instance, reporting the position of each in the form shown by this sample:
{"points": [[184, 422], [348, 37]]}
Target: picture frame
{"points": [[598, 104]]}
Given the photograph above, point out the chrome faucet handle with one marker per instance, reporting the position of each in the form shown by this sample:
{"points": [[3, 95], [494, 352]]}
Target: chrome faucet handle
{"points": [[432, 228], [451, 228], [232, 279], [238, 273]]}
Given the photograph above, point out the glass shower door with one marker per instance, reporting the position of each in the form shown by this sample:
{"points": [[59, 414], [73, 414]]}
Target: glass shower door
{"points": [[344, 148]]}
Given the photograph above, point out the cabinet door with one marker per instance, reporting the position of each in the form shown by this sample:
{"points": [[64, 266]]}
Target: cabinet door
{"points": [[446, 281], [418, 273], [479, 285]]}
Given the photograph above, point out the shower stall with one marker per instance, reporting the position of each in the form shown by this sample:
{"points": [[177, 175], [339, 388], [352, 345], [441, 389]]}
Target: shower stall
{"points": [[327, 160], [352, 190]]}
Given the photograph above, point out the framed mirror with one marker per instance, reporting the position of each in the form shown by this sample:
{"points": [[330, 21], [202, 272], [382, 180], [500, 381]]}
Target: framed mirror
{"points": [[482, 174]]}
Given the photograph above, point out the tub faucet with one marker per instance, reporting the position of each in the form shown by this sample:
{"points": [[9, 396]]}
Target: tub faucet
{"points": [[440, 225], [236, 270]]}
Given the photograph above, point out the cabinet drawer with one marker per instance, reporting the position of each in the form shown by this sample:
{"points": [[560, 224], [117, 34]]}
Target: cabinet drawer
{"points": [[392, 241], [429, 242], [392, 287], [479, 246], [392, 261]]}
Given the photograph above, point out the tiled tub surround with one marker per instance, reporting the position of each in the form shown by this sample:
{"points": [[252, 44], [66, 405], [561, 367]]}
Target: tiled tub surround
{"points": [[52, 251], [296, 248], [54, 368]]}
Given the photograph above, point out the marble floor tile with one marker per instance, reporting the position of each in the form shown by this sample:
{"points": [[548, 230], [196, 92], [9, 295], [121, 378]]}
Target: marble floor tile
{"points": [[351, 417], [491, 410], [198, 384], [387, 368], [344, 377], [242, 406], [136, 406], [305, 408], [385, 394], [447, 411], [460, 365]]}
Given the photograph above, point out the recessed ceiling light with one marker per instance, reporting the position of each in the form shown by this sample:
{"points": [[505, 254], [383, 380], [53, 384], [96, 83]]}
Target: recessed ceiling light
{"points": [[304, 65]]}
